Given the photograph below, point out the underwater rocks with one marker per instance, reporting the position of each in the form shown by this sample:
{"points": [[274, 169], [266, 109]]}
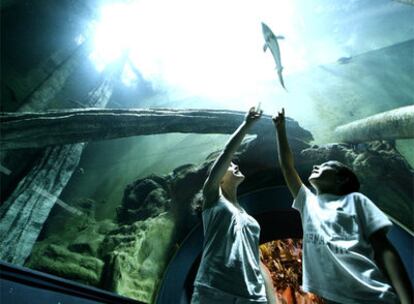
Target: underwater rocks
{"points": [[136, 256], [148, 197], [71, 238], [385, 176], [88, 242], [79, 217], [73, 253], [128, 259], [142, 199], [57, 260]]}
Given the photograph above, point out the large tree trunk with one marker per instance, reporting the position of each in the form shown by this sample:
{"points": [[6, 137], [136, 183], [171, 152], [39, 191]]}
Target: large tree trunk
{"points": [[394, 124], [23, 214], [29, 130]]}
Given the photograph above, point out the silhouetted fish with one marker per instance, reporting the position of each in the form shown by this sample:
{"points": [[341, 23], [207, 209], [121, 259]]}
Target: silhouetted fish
{"points": [[344, 60], [273, 45]]}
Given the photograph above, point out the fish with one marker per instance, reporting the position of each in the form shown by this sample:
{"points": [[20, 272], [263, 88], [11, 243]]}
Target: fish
{"points": [[273, 45], [344, 60]]}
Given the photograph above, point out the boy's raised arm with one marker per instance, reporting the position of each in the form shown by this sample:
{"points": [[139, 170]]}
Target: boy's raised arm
{"points": [[285, 155]]}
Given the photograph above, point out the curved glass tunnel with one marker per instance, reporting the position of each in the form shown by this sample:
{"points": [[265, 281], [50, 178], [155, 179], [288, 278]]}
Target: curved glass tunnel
{"points": [[112, 111]]}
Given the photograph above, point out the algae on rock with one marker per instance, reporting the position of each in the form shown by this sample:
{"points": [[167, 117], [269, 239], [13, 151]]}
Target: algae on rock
{"points": [[57, 260], [137, 257]]}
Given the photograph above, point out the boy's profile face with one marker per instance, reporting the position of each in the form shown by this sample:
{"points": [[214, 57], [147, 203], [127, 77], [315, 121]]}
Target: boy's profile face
{"points": [[324, 177]]}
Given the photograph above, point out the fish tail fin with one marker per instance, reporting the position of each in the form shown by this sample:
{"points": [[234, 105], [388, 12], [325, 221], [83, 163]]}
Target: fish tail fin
{"points": [[279, 73]]}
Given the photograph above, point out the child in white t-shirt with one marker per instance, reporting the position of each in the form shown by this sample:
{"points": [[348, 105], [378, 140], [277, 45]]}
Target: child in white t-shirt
{"points": [[347, 257]]}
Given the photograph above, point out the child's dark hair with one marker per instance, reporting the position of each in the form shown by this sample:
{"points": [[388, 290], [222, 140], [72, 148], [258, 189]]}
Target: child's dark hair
{"points": [[351, 183]]}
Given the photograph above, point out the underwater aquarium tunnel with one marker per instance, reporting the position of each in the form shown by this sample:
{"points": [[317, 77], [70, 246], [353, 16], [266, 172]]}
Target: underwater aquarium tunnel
{"points": [[112, 113]]}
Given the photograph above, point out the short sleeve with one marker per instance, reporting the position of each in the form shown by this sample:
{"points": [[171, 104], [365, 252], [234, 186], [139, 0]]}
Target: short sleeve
{"points": [[371, 217], [300, 199], [207, 215]]}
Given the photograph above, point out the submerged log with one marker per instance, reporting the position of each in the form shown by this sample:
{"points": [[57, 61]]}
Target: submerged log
{"points": [[25, 130], [394, 124], [23, 214], [38, 98]]}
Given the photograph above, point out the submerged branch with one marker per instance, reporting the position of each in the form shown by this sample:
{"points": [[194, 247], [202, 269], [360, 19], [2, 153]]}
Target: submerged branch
{"points": [[394, 124], [31, 130]]}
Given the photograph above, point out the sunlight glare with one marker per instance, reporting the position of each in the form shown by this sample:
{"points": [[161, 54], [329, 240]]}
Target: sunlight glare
{"points": [[212, 49]]}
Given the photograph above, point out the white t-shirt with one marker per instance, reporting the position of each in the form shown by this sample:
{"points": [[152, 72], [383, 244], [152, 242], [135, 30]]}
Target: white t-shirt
{"points": [[230, 260], [338, 259]]}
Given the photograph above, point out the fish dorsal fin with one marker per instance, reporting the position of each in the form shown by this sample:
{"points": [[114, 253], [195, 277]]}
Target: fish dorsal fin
{"points": [[265, 47]]}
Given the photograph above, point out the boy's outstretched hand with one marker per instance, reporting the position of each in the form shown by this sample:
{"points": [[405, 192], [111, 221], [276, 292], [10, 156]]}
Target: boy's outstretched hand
{"points": [[279, 119], [253, 115]]}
